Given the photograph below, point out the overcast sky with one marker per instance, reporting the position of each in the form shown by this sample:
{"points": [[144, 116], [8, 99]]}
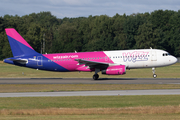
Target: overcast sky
{"points": [[84, 8]]}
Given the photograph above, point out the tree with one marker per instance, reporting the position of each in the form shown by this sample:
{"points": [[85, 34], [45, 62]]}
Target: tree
{"points": [[148, 37]]}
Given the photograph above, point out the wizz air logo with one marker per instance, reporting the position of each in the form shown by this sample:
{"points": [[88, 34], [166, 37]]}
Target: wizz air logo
{"points": [[135, 56]]}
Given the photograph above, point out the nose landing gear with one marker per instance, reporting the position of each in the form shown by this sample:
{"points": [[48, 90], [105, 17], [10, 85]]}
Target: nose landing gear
{"points": [[153, 70]]}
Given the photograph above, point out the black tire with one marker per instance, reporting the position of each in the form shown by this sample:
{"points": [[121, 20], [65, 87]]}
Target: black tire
{"points": [[154, 75], [95, 76]]}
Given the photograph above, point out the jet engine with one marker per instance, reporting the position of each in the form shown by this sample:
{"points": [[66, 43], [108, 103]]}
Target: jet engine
{"points": [[115, 70]]}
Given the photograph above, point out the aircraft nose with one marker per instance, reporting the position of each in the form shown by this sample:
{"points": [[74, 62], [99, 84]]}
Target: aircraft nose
{"points": [[174, 60]]}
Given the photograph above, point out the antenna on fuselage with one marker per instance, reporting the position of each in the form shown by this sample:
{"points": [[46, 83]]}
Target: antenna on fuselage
{"points": [[150, 47], [75, 51]]}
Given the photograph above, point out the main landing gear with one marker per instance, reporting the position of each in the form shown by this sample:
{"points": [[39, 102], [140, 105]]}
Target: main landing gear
{"points": [[96, 76], [154, 75]]}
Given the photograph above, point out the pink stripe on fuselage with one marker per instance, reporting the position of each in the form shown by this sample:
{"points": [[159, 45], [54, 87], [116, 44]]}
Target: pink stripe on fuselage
{"points": [[67, 60], [11, 32]]}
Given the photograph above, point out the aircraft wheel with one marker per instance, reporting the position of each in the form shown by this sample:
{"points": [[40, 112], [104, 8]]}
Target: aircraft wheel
{"points": [[154, 75], [95, 76]]}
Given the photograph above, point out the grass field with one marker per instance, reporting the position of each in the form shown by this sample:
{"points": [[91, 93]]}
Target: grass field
{"points": [[4, 88], [85, 102], [11, 71], [90, 107], [96, 117]]}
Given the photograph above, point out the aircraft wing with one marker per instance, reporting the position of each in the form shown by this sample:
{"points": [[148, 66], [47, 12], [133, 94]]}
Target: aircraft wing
{"points": [[93, 64]]}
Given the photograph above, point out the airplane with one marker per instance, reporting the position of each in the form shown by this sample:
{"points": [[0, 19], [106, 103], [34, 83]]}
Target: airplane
{"points": [[108, 62]]}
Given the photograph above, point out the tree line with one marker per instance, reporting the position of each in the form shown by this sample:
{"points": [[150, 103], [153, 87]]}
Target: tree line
{"points": [[48, 34]]}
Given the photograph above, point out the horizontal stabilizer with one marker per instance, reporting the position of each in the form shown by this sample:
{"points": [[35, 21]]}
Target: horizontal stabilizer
{"points": [[18, 60]]}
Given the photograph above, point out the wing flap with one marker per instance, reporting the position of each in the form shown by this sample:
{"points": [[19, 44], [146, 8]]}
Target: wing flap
{"points": [[93, 64]]}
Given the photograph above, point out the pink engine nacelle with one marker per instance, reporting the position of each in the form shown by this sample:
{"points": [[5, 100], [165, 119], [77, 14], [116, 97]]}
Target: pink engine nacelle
{"points": [[115, 70]]}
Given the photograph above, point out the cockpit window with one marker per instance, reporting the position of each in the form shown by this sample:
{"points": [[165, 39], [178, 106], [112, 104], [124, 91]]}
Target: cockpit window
{"points": [[166, 54]]}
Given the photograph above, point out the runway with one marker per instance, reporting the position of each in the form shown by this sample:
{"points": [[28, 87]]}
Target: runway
{"points": [[89, 81], [93, 93]]}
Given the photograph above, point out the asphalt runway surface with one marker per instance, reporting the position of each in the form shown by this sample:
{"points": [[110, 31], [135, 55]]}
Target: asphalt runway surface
{"points": [[93, 93], [89, 81]]}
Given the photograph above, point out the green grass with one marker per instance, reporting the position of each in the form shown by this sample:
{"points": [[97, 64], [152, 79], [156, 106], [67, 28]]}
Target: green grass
{"points": [[164, 107], [81, 87], [96, 117], [11, 71], [88, 102]]}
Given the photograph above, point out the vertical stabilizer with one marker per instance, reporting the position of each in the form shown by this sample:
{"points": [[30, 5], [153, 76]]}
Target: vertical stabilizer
{"points": [[18, 45]]}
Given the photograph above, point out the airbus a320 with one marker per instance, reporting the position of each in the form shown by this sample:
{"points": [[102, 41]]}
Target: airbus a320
{"points": [[106, 62]]}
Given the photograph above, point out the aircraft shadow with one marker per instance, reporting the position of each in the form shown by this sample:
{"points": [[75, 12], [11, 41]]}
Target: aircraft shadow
{"points": [[46, 78], [101, 79]]}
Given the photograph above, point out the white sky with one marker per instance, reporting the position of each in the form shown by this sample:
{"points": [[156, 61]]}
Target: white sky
{"points": [[84, 8]]}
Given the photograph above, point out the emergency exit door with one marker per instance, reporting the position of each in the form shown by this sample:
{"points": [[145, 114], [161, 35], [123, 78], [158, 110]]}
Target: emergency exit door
{"points": [[39, 61]]}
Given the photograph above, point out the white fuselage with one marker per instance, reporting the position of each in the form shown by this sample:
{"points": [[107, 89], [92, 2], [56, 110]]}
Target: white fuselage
{"points": [[143, 58]]}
